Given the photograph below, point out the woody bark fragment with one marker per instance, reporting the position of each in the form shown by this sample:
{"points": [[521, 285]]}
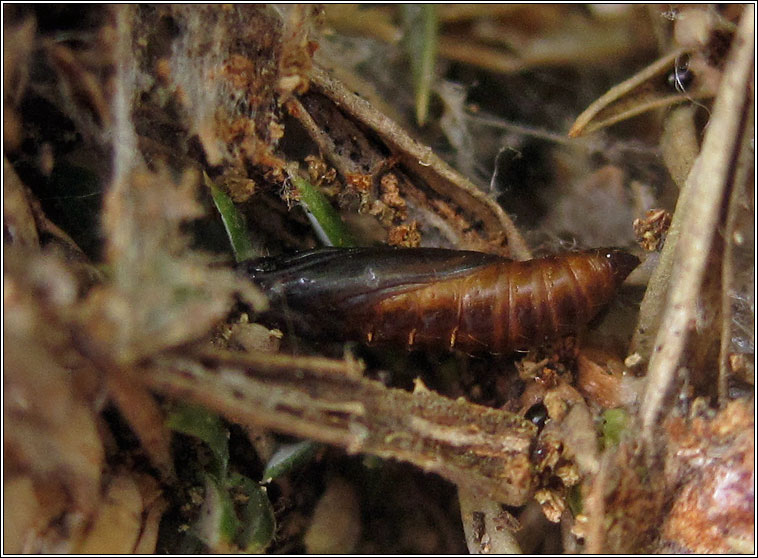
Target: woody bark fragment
{"points": [[485, 450]]}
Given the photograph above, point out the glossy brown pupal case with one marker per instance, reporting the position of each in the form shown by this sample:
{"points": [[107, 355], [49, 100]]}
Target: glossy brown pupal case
{"points": [[436, 298]]}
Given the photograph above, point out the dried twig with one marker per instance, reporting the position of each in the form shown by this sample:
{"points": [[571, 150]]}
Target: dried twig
{"points": [[484, 449]]}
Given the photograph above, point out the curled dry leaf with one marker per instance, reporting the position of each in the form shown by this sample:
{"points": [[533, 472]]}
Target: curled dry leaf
{"points": [[440, 185], [53, 449]]}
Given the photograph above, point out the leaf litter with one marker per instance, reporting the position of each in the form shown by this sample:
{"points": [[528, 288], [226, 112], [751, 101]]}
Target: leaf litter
{"points": [[121, 300]]}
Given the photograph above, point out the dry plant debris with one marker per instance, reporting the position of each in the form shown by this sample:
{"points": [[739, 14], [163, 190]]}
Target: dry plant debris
{"points": [[149, 407]]}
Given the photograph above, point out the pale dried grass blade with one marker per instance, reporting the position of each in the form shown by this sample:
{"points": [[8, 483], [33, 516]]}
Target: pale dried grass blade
{"points": [[707, 183], [644, 91]]}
